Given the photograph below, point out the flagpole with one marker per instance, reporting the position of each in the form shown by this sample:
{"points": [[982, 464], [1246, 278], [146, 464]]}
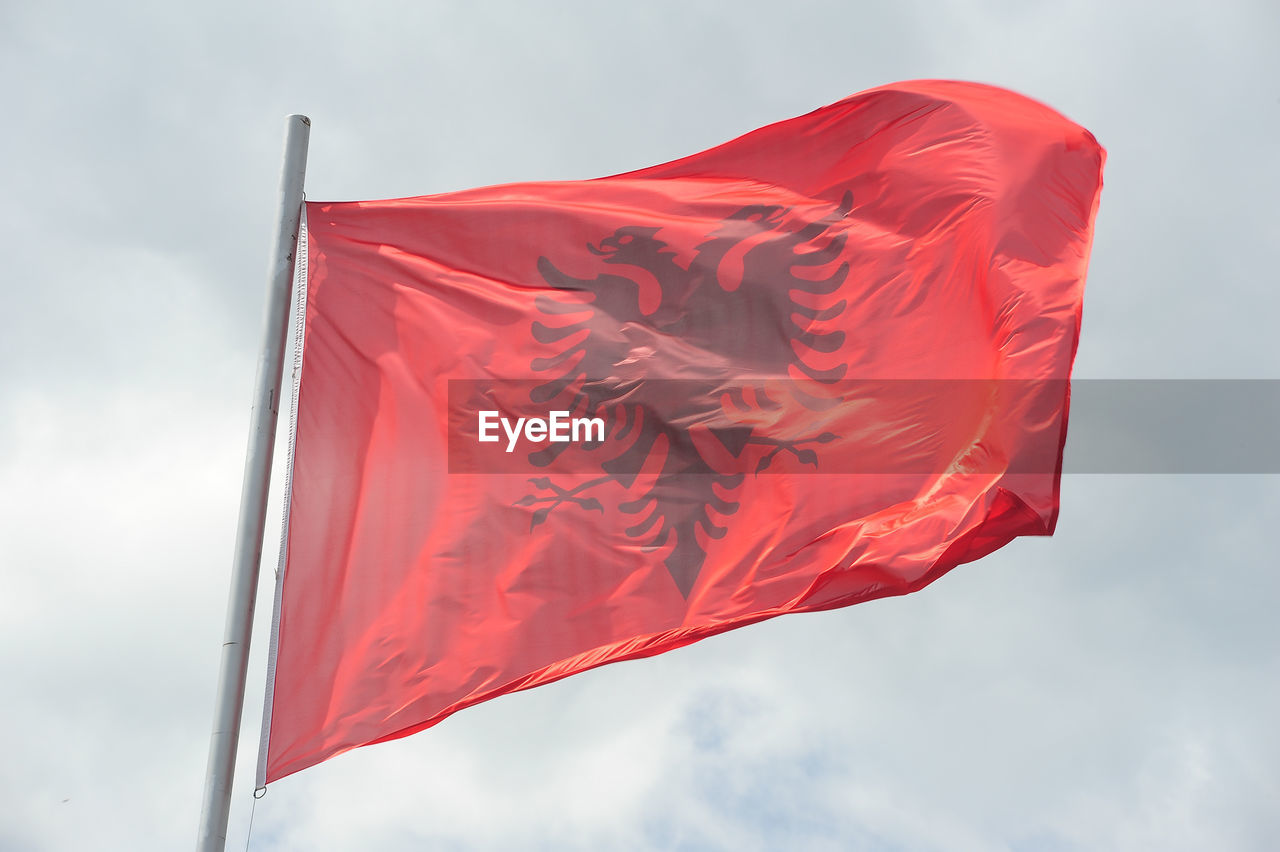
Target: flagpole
{"points": [[229, 704]]}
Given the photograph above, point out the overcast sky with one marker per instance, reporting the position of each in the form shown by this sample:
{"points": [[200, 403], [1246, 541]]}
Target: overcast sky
{"points": [[1113, 687]]}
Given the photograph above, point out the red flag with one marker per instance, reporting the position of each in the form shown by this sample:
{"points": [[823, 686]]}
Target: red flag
{"points": [[543, 427]]}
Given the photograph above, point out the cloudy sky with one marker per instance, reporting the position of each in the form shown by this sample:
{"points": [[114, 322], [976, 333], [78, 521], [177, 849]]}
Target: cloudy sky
{"points": [[1106, 688]]}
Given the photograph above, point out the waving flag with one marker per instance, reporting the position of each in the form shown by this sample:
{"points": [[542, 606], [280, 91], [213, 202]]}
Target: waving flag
{"points": [[543, 427]]}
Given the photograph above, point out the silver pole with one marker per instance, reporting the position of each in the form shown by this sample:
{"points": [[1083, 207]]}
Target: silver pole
{"points": [[229, 705]]}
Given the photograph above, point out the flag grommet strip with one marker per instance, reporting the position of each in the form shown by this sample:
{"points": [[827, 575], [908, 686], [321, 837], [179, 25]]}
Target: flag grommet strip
{"points": [[299, 338]]}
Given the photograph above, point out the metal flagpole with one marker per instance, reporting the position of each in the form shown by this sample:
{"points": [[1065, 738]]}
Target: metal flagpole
{"points": [[229, 705]]}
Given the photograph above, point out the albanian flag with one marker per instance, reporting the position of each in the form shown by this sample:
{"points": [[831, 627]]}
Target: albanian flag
{"points": [[543, 427]]}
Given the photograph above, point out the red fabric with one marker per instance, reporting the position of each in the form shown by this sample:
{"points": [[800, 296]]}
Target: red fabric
{"points": [[763, 326]]}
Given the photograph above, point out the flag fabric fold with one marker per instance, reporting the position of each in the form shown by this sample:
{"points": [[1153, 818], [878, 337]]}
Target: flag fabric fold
{"points": [[543, 427]]}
